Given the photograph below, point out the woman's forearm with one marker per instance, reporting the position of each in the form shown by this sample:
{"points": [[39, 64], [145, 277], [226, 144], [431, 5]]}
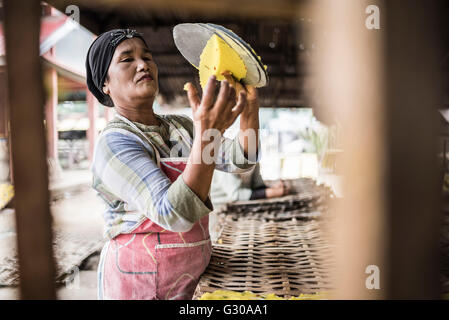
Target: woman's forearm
{"points": [[249, 140], [201, 164], [209, 114], [198, 173]]}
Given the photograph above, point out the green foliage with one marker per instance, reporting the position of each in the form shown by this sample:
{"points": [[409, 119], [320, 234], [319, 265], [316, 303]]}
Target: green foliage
{"points": [[317, 139]]}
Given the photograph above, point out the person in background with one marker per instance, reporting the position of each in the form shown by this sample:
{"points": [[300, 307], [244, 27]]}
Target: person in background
{"points": [[228, 187]]}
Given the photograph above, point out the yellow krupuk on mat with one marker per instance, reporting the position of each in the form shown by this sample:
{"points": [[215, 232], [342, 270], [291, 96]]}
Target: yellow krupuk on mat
{"points": [[248, 295]]}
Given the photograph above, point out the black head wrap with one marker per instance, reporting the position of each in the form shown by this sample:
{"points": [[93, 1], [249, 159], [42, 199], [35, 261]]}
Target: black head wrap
{"points": [[99, 58]]}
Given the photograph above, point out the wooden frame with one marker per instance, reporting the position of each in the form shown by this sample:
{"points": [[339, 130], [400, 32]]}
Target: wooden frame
{"points": [[378, 83], [26, 103]]}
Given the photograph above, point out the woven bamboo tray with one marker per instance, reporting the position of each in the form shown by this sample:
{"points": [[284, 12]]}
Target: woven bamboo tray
{"points": [[301, 185], [311, 201], [300, 206], [286, 258], [275, 235]]}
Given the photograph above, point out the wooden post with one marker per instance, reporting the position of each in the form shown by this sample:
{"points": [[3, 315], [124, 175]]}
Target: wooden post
{"points": [[382, 86], [413, 97], [92, 109], [26, 109], [108, 113], [51, 113], [51, 118], [3, 112], [5, 158], [349, 66]]}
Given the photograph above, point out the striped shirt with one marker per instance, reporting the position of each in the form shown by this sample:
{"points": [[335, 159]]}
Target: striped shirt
{"points": [[127, 178]]}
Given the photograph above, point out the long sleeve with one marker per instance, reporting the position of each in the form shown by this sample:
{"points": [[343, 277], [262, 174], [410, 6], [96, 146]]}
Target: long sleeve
{"points": [[127, 169], [258, 194], [231, 157]]}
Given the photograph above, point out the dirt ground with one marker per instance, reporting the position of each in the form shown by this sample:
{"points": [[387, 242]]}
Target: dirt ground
{"points": [[78, 228], [77, 216]]}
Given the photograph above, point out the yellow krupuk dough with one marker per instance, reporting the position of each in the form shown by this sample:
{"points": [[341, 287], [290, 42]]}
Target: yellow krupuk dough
{"points": [[217, 57], [248, 295]]}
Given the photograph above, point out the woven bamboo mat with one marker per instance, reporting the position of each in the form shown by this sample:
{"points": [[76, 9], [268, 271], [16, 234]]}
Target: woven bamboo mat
{"points": [[302, 185], [272, 245], [286, 258], [247, 232], [311, 201]]}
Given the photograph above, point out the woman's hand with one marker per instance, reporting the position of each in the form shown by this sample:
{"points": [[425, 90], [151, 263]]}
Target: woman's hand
{"points": [[219, 114], [209, 113], [251, 92], [249, 119]]}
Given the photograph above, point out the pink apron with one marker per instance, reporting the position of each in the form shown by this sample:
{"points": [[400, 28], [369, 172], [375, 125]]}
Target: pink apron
{"points": [[154, 263]]}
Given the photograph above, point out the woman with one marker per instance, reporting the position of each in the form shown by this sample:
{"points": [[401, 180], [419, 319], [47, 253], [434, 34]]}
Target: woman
{"points": [[151, 172]]}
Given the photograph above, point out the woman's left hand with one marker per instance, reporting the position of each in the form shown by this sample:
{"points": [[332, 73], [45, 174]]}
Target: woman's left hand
{"points": [[249, 118], [251, 93]]}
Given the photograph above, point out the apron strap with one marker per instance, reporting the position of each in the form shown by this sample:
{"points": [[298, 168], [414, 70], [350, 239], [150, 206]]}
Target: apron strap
{"points": [[175, 127], [130, 123]]}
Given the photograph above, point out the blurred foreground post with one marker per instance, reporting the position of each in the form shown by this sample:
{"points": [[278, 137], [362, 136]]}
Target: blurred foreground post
{"points": [[382, 85], [413, 93], [26, 105]]}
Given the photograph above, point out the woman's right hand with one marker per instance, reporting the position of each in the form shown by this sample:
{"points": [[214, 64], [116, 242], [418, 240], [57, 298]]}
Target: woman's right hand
{"points": [[211, 113]]}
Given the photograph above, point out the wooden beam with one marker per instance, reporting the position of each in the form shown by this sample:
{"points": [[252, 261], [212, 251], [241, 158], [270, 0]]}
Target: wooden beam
{"points": [[349, 68], [133, 9], [3, 107], [92, 110], [51, 111], [26, 103], [413, 95]]}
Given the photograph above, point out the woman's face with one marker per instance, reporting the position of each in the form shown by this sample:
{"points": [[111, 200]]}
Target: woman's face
{"points": [[132, 75]]}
